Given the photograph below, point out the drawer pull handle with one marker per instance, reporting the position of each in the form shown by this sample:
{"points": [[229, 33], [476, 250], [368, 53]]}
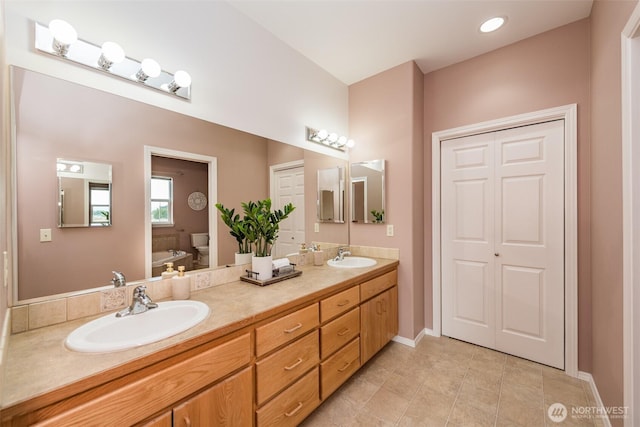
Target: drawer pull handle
{"points": [[293, 411], [295, 328], [344, 368], [343, 332], [187, 421], [296, 363], [343, 303]]}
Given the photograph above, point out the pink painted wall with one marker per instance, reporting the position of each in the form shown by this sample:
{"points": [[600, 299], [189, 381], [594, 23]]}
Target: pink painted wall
{"points": [[607, 21], [544, 71], [385, 119], [97, 126]]}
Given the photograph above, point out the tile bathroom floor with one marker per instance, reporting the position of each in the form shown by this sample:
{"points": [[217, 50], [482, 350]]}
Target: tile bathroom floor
{"points": [[446, 382]]}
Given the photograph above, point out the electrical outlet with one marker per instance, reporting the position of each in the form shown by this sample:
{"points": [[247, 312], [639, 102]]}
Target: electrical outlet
{"points": [[45, 234], [316, 227], [389, 230]]}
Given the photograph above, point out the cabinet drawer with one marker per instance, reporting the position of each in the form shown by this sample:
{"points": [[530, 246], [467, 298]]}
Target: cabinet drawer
{"points": [[285, 329], [134, 401], [338, 332], [377, 285], [339, 367], [284, 366], [293, 405], [340, 303]]}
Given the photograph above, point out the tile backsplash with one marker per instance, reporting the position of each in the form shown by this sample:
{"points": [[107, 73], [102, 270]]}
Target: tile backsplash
{"points": [[40, 314]]}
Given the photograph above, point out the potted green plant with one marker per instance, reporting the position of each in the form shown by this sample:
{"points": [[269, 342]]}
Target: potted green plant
{"points": [[378, 216], [262, 229], [237, 229]]}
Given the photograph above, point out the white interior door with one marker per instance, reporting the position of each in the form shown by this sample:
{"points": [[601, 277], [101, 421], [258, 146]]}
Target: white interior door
{"points": [[289, 188], [503, 241]]}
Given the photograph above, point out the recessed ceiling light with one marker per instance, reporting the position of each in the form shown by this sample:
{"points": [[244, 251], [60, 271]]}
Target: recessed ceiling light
{"points": [[492, 24]]}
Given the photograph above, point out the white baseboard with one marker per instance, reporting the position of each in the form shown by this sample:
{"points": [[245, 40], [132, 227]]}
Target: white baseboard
{"points": [[585, 376], [412, 342]]}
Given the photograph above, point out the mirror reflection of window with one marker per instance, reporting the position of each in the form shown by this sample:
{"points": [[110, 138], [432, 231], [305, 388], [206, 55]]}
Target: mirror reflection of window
{"points": [[161, 200], [99, 204]]}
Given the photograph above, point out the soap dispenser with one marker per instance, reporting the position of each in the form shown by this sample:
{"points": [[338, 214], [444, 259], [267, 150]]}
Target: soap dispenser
{"points": [[181, 285], [170, 272]]}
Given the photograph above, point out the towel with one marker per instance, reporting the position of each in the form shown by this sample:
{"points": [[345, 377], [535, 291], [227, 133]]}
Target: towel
{"points": [[278, 263]]}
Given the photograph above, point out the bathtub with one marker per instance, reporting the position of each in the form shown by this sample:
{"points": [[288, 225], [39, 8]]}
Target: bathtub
{"points": [[159, 259]]}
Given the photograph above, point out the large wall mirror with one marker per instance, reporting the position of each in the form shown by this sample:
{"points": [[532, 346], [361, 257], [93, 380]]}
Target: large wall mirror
{"points": [[58, 120], [331, 195], [367, 192]]}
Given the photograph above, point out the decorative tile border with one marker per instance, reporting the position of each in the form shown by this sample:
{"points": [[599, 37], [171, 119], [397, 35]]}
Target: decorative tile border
{"points": [[46, 313]]}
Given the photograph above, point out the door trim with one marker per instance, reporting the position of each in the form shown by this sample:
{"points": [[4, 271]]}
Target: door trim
{"points": [[630, 66], [569, 114]]}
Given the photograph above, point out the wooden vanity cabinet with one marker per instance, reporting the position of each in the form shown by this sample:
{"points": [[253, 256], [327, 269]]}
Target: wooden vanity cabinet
{"points": [[379, 314], [137, 396], [274, 372]]}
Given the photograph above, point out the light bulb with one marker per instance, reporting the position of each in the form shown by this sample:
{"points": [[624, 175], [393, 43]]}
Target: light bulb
{"points": [[180, 79], [148, 68], [74, 168], [492, 24], [61, 166], [333, 137], [342, 141], [351, 143], [63, 36], [111, 54], [322, 134]]}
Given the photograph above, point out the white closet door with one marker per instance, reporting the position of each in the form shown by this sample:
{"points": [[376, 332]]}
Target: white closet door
{"points": [[503, 241], [468, 299]]}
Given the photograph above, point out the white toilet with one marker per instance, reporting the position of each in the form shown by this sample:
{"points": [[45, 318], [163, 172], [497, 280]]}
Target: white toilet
{"points": [[200, 241]]}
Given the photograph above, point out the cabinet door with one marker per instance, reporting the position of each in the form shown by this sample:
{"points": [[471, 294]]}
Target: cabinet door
{"points": [[164, 420], [228, 403], [378, 322]]}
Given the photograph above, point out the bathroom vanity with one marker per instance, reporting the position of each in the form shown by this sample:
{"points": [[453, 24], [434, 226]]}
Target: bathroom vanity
{"points": [[265, 356]]}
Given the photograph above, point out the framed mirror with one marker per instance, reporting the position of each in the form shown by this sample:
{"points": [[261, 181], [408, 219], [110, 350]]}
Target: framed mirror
{"points": [[84, 193], [331, 195], [367, 192]]}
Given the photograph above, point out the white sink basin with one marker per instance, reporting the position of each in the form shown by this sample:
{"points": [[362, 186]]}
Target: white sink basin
{"points": [[111, 333], [352, 262]]}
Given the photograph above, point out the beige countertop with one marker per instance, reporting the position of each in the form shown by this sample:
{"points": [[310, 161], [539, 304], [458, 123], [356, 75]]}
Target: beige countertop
{"points": [[37, 361]]}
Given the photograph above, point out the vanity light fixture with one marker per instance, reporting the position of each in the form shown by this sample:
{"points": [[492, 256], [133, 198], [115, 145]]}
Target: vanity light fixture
{"points": [[180, 79], [332, 139], [111, 54], [148, 68], [61, 40], [63, 35], [492, 24]]}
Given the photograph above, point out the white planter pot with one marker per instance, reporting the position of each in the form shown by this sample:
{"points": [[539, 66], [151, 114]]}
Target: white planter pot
{"points": [[263, 266], [242, 259]]}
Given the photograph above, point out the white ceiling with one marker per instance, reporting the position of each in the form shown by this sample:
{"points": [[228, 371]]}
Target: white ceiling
{"points": [[355, 39]]}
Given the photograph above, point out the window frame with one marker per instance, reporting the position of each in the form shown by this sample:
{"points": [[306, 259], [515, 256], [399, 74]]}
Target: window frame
{"points": [[170, 200]]}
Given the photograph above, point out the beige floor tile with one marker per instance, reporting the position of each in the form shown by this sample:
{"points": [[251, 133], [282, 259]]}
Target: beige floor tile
{"points": [[443, 382], [431, 404], [448, 382], [358, 391], [386, 406]]}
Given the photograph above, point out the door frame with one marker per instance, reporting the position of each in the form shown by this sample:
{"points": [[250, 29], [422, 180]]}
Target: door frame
{"points": [[630, 66], [212, 174], [569, 114]]}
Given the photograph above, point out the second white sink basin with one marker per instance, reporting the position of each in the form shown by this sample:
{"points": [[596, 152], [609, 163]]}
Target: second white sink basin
{"points": [[352, 262], [111, 333]]}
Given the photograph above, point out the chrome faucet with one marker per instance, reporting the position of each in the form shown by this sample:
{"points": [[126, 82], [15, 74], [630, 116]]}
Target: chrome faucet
{"points": [[341, 254], [118, 279], [139, 304]]}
